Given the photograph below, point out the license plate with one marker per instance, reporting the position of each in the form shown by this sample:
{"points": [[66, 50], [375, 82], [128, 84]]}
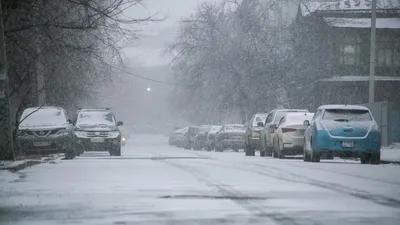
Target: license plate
{"points": [[41, 144], [348, 144], [97, 140]]}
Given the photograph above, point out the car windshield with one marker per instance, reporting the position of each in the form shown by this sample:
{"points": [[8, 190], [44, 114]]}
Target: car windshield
{"points": [[281, 114], [345, 115], [92, 118], [34, 117]]}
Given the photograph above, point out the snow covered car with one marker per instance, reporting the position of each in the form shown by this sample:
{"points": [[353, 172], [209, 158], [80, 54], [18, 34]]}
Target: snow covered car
{"points": [[342, 130], [211, 137], [289, 136], [176, 136], [45, 129], [201, 138], [190, 137], [253, 133], [231, 136], [269, 127], [97, 130]]}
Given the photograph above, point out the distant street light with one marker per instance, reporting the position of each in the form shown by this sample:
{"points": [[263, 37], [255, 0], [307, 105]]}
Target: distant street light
{"points": [[148, 89]]}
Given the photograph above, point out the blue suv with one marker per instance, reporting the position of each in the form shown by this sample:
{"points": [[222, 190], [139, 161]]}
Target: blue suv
{"points": [[342, 130]]}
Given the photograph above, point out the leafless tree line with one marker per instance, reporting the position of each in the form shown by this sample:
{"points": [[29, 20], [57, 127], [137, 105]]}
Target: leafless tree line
{"points": [[244, 57], [71, 45]]}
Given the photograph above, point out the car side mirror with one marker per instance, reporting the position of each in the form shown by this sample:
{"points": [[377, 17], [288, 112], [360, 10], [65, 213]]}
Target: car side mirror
{"points": [[306, 123], [120, 123], [260, 124]]}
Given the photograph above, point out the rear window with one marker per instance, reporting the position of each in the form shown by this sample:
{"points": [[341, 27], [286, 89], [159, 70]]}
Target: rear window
{"points": [[347, 115], [281, 114], [259, 119]]}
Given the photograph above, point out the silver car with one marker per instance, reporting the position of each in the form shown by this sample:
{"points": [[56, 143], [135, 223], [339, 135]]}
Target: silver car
{"points": [[47, 130]]}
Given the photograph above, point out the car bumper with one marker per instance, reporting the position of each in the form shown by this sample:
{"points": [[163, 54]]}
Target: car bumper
{"points": [[54, 143], [324, 143], [230, 143], [109, 144], [292, 145], [255, 142]]}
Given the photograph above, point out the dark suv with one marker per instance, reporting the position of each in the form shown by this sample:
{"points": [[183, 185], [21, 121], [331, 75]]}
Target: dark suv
{"points": [[97, 130], [45, 129], [253, 133]]}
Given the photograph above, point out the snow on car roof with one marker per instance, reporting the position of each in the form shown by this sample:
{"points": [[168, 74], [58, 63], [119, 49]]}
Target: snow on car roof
{"points": [[291, 110], [353, 107]]}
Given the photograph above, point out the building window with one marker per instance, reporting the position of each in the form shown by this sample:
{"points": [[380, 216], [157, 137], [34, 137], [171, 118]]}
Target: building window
{"points": [[388, 50], [349, 50]]}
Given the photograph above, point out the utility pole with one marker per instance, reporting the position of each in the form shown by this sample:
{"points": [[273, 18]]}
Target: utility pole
{"points": [[6, 138], [372, 60]]}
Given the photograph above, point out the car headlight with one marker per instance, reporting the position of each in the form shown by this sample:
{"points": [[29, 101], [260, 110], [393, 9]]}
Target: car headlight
{"points": [[113, 134], [80, 134], [123, 139]]}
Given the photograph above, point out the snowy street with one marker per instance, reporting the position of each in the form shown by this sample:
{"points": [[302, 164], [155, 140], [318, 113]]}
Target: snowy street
{"points": [[153, 183]]}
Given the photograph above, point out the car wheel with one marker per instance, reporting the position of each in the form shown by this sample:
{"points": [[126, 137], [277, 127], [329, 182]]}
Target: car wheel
{"points": [[70, 154], [365, 158], [315, 157], [279, 150], [375, 159], [306, 156]]}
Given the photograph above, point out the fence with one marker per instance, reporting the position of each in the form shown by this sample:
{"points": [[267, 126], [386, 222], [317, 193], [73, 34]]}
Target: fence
{"points": [[387, 115]]}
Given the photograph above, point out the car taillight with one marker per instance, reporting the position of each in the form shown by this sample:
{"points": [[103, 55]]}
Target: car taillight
{"points": [[285, 130]]}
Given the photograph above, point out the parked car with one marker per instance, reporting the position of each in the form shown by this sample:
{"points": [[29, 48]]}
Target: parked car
{"points": [[253, 133], [231, 136], [191, 136], [211, 138], [201, 140], [97, 130], [342, 130], [177, 137], [269, 127], [289, 135], [45, 129]]}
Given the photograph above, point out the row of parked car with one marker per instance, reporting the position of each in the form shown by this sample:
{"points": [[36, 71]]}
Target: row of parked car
{"points": [[49, 129], [348, 131], [210, 137]]}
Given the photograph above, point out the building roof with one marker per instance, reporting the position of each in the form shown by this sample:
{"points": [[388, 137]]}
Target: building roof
{"points": [[354, 107], [390, 23], [343, 5], [359, 78]]}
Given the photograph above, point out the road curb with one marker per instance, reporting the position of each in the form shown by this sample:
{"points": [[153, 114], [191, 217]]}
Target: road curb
{"points": [[390, 162], [22, 166]]}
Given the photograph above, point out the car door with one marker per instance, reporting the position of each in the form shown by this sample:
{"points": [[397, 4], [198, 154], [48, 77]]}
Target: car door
{"points": [[278, 133], [265, 130], [249, 127]]}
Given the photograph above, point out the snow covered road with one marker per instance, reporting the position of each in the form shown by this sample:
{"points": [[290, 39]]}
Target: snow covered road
{"points": [[153, 183]]}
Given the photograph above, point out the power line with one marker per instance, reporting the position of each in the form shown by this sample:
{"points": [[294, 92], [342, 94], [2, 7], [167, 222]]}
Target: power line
{"points": [[152, 80]]}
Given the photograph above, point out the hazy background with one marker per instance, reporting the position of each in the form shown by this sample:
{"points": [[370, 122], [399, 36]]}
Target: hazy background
{"points": [[128, 95]]}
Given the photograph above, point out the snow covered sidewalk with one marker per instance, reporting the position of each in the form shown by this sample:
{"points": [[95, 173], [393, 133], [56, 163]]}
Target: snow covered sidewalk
{"points": [[391, 153], [23, 163]]}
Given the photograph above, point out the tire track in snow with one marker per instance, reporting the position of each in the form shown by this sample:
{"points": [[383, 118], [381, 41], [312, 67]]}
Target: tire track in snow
{"points": [[237, 197], [347, 174], [276, 173]]}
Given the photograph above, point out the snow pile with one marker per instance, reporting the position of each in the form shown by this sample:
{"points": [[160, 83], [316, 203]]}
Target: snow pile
{"points": [[391, 153]]}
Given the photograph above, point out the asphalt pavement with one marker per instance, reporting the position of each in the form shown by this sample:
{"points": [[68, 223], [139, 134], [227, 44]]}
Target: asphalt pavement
{"points": [[153, 183]]}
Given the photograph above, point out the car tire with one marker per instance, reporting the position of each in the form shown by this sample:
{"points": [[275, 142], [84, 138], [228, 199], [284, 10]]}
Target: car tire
{"points": [[315, 157], [365, 158], [70, 155], [306, 156], [375, 159]]}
